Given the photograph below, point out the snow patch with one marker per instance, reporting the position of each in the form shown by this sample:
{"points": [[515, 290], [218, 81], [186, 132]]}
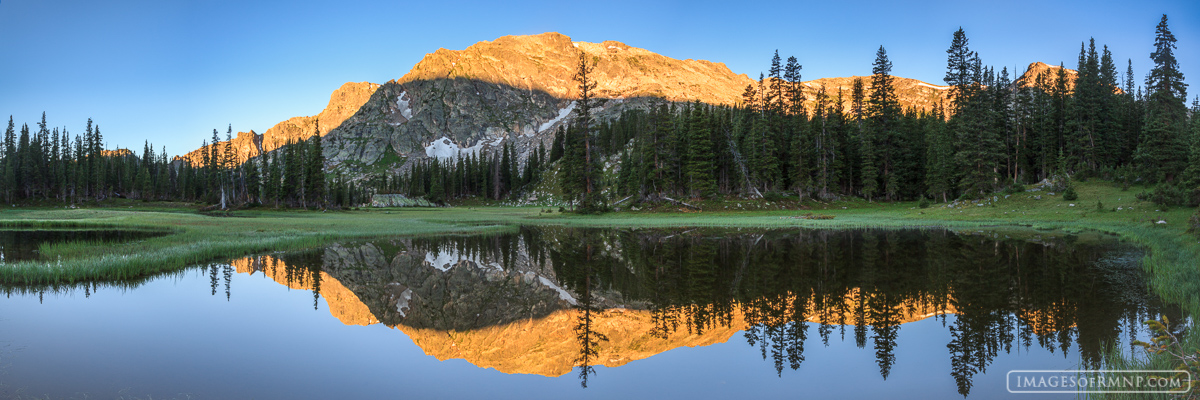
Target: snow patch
{"points": [[402, 303], [933, 86], [442, 148], [445, 259], [446, 148], [562, 294], [561, 114], [402, 104]]}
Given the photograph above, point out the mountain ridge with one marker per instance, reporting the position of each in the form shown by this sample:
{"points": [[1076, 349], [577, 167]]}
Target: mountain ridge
{"points": [[518, 89]]}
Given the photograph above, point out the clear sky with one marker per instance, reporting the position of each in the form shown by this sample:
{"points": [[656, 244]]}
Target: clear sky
{"points": [[172, 71]]}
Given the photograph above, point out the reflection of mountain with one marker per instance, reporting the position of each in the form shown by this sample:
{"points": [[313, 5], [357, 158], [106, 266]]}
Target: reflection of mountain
{"points": [[544, 345], [516, 302], [343, 303], [524, 320]]}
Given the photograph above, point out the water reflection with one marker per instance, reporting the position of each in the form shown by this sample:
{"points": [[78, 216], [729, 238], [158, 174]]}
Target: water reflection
{"points": [[25, 244], [551, 300]]}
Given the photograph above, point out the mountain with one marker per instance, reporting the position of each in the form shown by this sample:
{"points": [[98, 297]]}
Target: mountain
{"points": [[516, 89], [1049, 73]]}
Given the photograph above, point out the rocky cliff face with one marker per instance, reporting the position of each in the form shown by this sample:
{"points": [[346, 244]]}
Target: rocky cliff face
{"points": [[516, 90]]}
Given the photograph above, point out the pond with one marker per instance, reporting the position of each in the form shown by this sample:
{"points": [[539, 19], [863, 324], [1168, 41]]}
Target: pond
{"points": [[552, 312], [23, 244]]}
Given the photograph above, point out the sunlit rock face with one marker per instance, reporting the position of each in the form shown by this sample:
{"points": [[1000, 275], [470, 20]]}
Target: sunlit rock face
{"points": [[1047, 73], [520, 303]]}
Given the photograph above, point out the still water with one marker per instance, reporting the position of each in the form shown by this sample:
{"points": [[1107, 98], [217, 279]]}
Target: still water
{"points": [[554, 312], [18, 245]]}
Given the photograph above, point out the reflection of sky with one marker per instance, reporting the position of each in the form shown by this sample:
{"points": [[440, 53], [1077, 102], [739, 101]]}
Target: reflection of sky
{"points": [[172, 337]]}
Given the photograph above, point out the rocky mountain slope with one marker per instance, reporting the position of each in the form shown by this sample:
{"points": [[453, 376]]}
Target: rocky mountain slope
{"points": [[517, 90]]}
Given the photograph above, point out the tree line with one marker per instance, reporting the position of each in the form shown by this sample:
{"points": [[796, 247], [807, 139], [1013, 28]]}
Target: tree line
{"points": [[48, 166]]}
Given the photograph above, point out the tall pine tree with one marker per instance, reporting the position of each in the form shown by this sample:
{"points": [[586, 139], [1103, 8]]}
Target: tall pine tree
{"points": [[1161, 154]]}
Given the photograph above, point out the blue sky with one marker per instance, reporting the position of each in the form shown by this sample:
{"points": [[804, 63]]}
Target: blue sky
{"points": [[172, 71]]}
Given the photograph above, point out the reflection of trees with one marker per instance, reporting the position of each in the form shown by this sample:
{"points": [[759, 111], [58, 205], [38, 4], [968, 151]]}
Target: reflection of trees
{"points": [[589, 339], [578, 260], [212, 277], [1002, 291], [227, 271]]}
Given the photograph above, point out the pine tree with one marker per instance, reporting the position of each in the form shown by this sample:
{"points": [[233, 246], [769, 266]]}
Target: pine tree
{"points": [[570, 173], [1083, 108], [506, 164], [700, 153], [164, 176], [939, 157], [292, 171], [99, 171], [556, 147], [229, 166], [314, 181], [1191, 176], [213, 166], [254, 174], [884, 111], [591, 199], [870, 173], [10, 161], [1161, 153], [958, 58], [271, 190], [25, 164], [774, 95]]}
